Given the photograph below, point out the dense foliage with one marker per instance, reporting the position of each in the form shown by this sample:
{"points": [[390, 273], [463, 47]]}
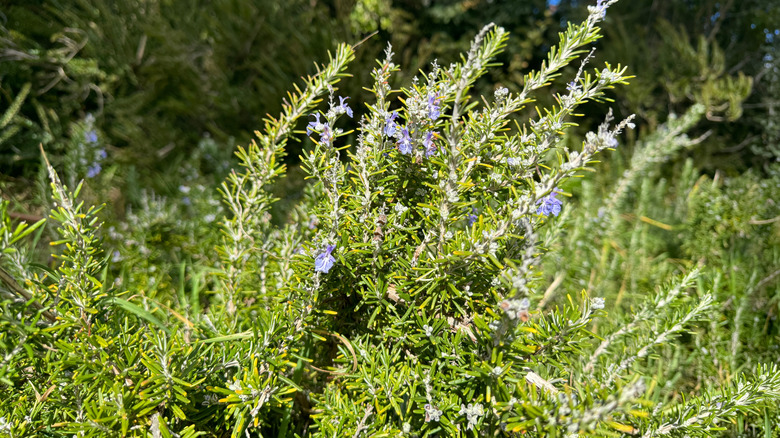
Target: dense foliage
{"points": [[446, 265]]}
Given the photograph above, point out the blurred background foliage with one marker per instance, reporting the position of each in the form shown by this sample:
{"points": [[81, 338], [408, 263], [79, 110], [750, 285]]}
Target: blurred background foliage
{"points": [[146, 99], [722, 54], [158, 76]]}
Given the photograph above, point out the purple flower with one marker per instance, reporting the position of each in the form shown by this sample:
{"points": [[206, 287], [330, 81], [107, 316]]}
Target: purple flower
{"points": [[434, 106], [93, 170], [102, 154], [430, 146], [343, 105], [325, 261], [573, 86], [314, 126], [91, 137], [405, 143], [549, 205], [390, 126]]}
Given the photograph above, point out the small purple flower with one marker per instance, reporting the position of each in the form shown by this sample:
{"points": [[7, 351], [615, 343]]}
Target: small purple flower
{"points": [[434, 106], [314, 126], [102, 154], [390, 126], [343, 105], [573, 86], [91, 137], [93, 170], [405, 143], [472, 217], [325, 261], [327, 136], [430, 146], [549, 205]]}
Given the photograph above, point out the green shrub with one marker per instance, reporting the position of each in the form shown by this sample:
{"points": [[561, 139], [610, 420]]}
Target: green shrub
{"points": [[403, 295]]}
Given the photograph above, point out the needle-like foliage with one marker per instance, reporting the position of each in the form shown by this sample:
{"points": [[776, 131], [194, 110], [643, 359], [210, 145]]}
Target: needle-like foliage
{"points": [[404, 294]]}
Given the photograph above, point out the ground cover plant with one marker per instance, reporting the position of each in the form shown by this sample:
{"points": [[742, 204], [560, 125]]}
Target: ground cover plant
{"points": [[436, 278]]}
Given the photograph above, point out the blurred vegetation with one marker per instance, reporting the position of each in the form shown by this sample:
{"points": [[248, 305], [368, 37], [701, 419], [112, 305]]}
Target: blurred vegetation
{"points": [[160, 76], [723, 54]]}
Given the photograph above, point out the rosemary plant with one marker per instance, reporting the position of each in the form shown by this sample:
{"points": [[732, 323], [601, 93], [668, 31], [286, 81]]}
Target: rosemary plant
{"points": [[402, 297]]}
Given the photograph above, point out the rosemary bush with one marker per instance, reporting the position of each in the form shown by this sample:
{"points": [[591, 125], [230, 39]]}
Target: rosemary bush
{"points": [[403, 295]]}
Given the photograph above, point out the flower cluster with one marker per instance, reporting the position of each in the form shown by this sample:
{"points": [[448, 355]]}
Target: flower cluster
{"points": [[415, 132], [432, 413], [516, 309], [90, 154], [325, 127], [549, 205], [94, 169]]}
